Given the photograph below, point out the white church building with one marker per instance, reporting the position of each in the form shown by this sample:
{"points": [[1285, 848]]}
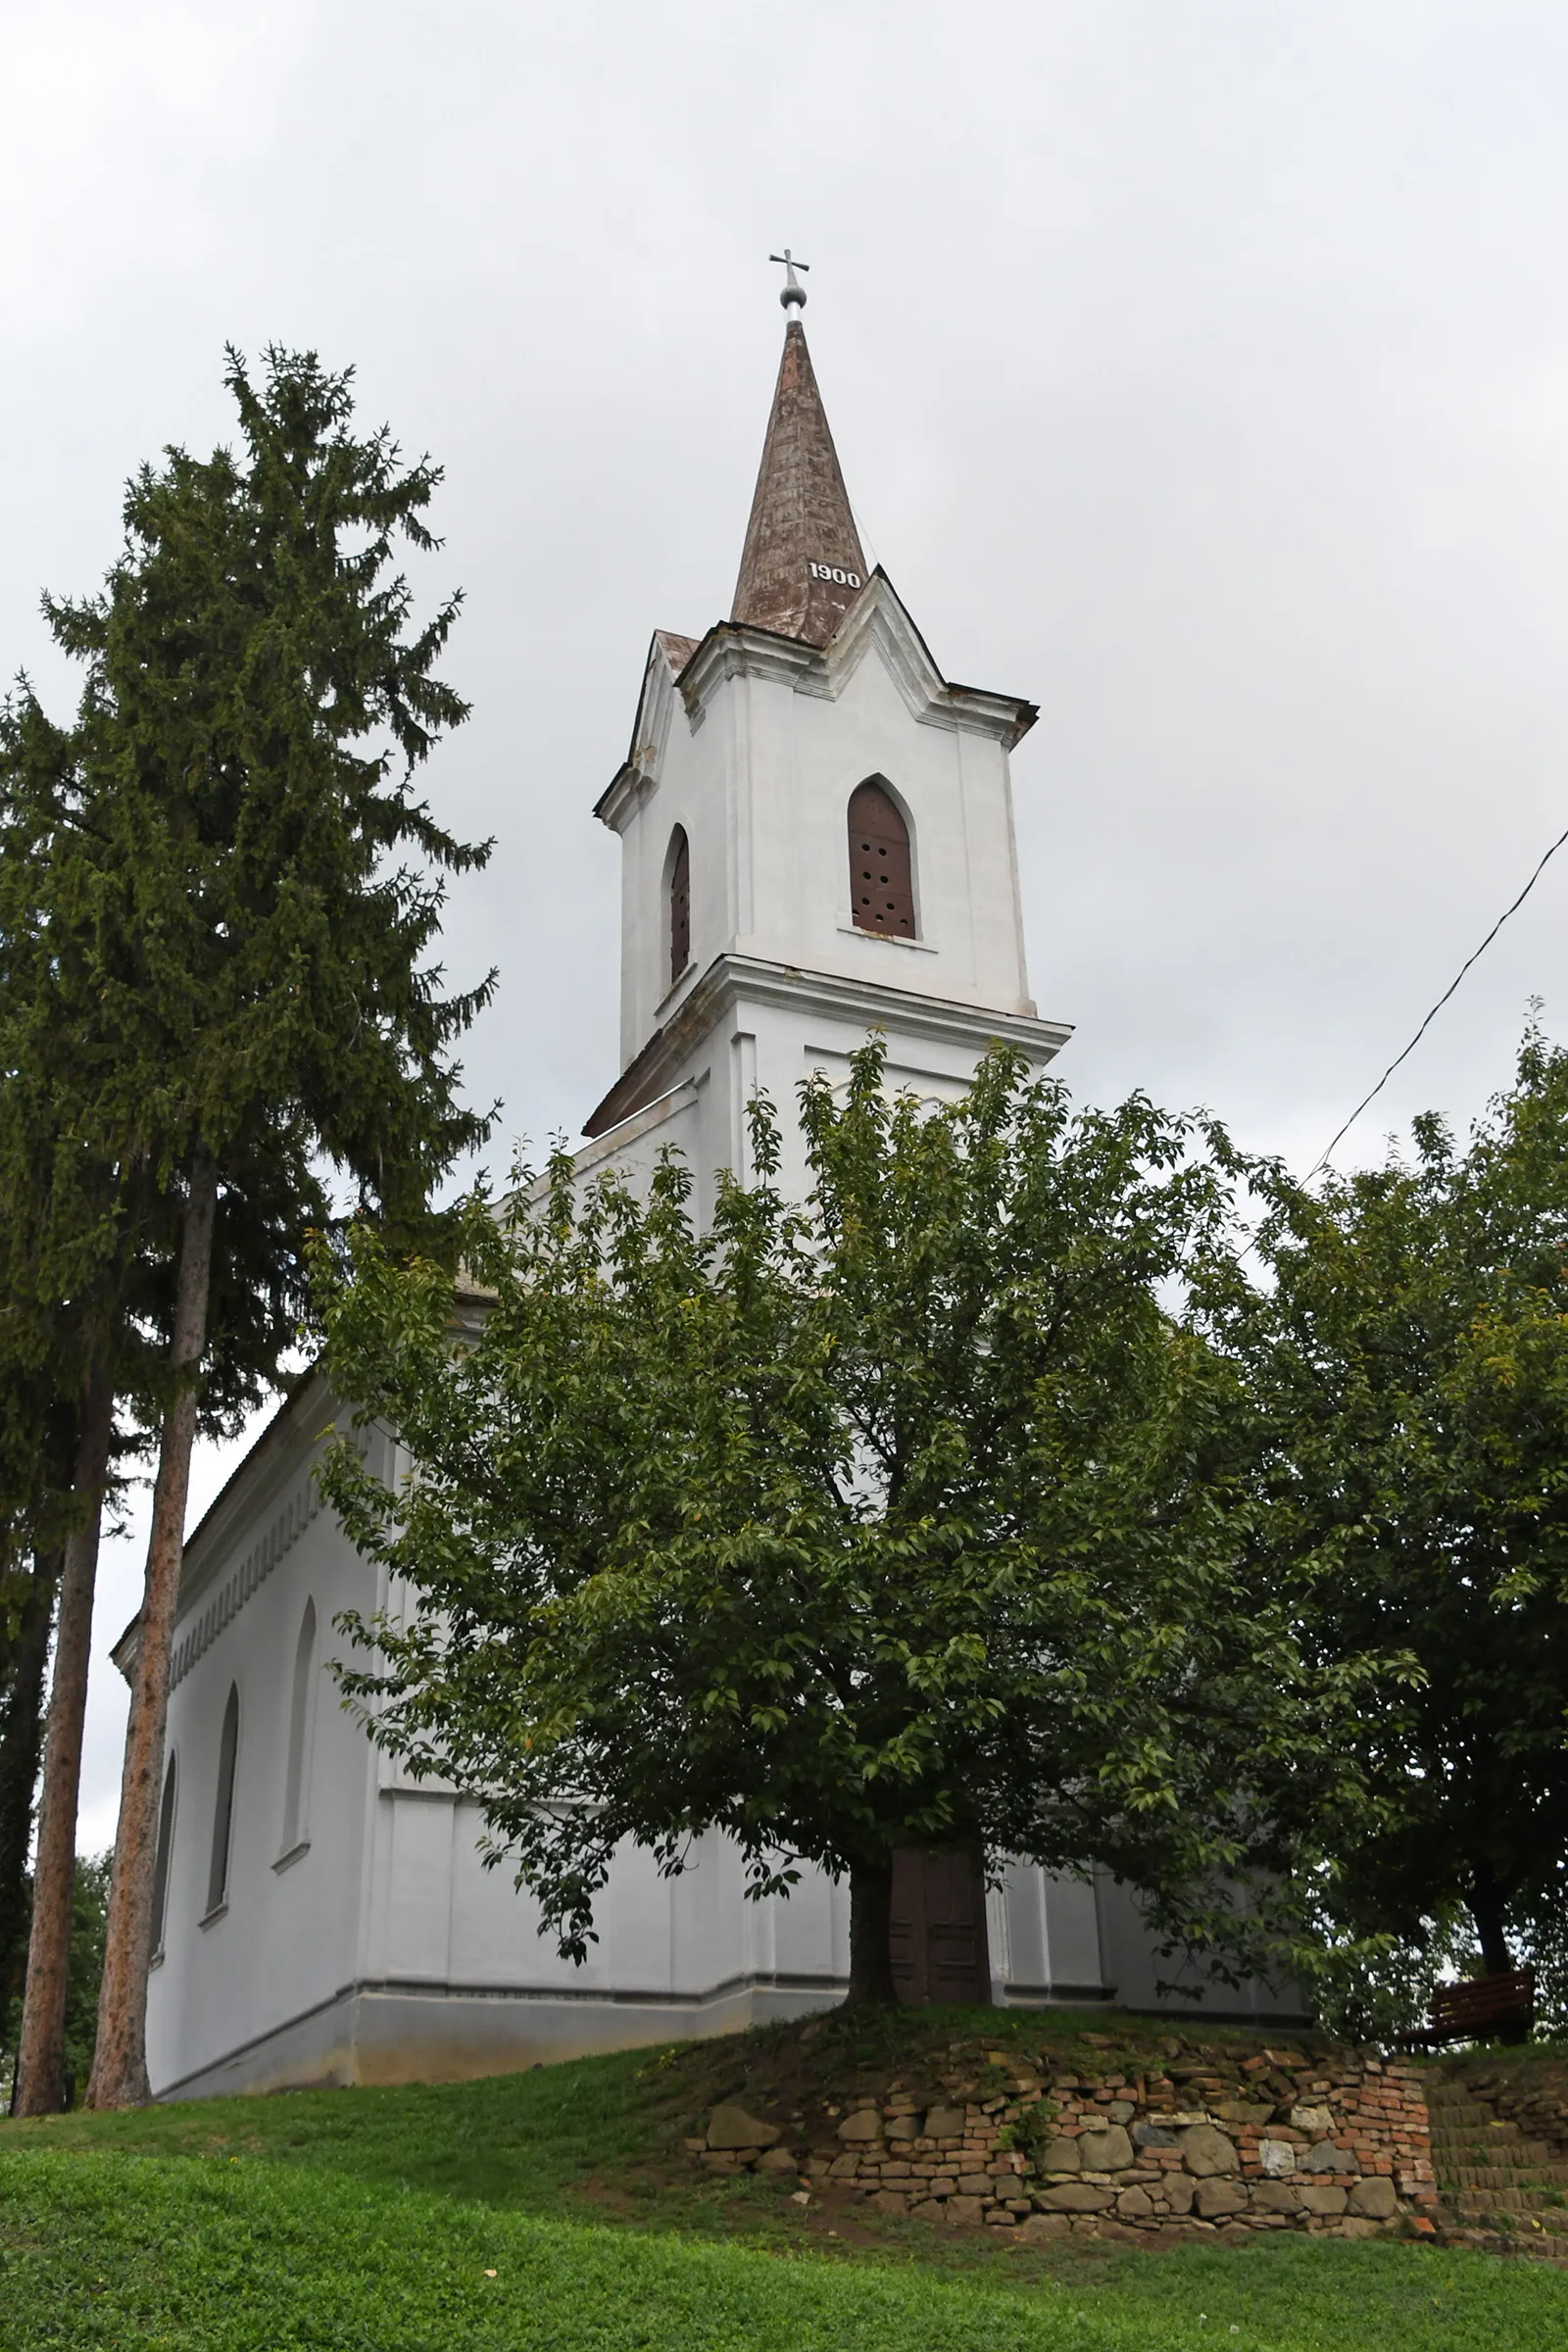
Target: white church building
{"points": [[818, 838]]}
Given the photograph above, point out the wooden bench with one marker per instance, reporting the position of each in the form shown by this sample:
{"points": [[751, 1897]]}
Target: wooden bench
{"points": [[1499, 2008]]}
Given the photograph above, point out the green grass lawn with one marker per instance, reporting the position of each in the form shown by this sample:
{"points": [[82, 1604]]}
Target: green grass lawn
{"points": [[371, 2220]]}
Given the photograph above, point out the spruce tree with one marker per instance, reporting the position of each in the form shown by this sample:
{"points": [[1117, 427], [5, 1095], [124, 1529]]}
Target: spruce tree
{"points": [[24, 1630], [258, 695], [85, 1264], [65, 1243]]}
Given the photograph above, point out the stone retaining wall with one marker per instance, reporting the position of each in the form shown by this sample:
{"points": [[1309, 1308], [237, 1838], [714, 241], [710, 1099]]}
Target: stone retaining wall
{"points": [[1531, 2090], [1276, 2141]]}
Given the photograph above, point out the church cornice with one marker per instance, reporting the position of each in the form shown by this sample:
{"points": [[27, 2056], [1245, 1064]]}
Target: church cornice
{"points": [[668, 655], [874, 1003], [656, 704], [878, 616], [863, 1003], [676, 671], [620, 795], [273, 1485]]}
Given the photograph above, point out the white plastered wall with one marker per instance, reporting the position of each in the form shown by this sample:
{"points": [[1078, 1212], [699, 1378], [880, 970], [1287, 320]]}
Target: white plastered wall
{"points": [[286, 1937], [758, 770]]}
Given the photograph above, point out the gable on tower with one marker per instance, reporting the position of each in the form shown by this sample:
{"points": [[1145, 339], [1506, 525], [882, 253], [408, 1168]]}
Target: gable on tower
{"points": [[875, 616]]}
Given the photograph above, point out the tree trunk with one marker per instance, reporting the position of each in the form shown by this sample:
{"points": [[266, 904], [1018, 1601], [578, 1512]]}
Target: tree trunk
{"points": [[870, 1920], [1487, 1909], [120, 2061], [41, 2057], [21, 1741]]}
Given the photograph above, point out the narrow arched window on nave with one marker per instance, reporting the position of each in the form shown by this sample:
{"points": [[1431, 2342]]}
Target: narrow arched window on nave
{"points": [[166, 1840], [301, 1713], [224, 1805]]}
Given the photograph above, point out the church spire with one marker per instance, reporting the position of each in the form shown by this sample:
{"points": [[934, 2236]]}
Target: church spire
{"points": [[803, 566]]}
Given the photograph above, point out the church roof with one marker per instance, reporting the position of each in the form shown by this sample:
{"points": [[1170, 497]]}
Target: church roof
{"points": [[802, 565], [677, 650]]}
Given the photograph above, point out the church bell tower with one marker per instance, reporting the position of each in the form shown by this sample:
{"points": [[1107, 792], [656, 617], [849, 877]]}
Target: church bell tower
{"points": [[816, 832]]}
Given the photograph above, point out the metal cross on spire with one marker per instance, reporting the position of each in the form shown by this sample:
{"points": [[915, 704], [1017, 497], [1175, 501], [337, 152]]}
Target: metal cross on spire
{"points": [[791, 291]]}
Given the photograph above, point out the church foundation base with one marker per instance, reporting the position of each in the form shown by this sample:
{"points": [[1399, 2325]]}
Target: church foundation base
{"points": [[388, 2033]]}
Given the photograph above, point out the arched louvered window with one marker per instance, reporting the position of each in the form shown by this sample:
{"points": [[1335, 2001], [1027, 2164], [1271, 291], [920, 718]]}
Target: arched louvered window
{"points": [[301, 1717], [680, 904], [166, 1840], [223, 1803], [881, 878]]}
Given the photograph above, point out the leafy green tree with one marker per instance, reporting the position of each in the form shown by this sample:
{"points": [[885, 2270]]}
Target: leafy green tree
{"points": [[89, 1907], [1409, 1358], [259, 1007], [90, 1920], [884, 1521]]}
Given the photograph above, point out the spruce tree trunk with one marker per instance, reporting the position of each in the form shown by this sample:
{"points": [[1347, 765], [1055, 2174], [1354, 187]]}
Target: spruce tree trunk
{"points": [[21, 1741], [120, 2061], [41, 2057], [870, 1927]]}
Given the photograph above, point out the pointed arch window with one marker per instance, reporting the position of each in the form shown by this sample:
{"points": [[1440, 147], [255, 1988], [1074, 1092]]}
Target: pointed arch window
{"points": [[881, 871], [166, 1840], [223, 1805], [680, 904], [301, 1725]]}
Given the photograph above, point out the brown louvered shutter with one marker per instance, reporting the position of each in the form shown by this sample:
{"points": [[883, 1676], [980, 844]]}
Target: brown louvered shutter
{"points": [[680, 907], [881, 885]]}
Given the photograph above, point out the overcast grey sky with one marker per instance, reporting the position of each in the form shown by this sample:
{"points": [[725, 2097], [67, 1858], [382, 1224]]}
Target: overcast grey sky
{"points": [[1198, 368]]}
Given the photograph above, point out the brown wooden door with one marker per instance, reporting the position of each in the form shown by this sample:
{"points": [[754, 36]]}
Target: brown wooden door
{"points": [[938, 1936]]}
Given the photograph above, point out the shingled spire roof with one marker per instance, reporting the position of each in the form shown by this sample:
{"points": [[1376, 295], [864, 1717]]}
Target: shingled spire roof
{"points": [[802, 567]]}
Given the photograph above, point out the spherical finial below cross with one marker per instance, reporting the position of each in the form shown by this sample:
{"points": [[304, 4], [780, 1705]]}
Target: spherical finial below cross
{"points": [[791, 291]]}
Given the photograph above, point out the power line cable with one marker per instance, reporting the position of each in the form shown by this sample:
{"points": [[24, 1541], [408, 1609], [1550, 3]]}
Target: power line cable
{"points": [[1326, 1156]]}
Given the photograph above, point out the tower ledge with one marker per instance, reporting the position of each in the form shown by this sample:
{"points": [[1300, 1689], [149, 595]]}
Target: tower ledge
{"points": [[864, 1004]]}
